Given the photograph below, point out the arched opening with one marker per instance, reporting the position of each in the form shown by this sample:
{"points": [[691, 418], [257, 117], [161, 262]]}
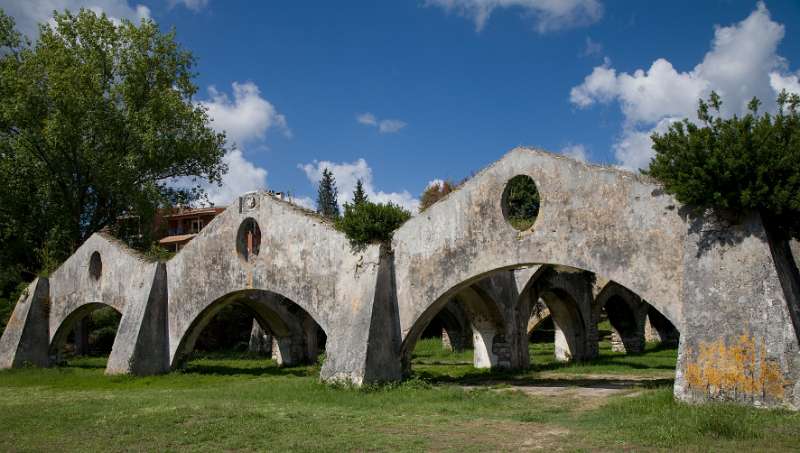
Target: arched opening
{"points": [[225, 330], [627, 335], [556, 310], [660, 330], [87, 332], [569, 328], [451, 327], [95, 266], [520, 202], [248, 239], [471, 318]]}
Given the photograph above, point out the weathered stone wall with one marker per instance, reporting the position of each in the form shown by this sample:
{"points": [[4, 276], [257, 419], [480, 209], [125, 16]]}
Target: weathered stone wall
{"points": [[717, 284], [301, 257]]}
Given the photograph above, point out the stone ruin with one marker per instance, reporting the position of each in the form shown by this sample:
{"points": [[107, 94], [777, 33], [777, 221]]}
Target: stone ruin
{"points": [[603, 239]]}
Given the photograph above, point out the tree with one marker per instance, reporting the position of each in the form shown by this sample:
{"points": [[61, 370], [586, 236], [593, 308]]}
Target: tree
{"points": [[359, 196], [740, 165], [327, 204], [434, 193], [96, 119], [368, 222]]}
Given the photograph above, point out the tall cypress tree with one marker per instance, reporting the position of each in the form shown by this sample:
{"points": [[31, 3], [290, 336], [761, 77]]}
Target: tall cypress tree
{"points": [[326, 195], [359, 196]]}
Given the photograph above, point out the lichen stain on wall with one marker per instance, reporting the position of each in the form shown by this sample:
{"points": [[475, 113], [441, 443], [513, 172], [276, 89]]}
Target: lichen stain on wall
{"points": [[735, 371]]}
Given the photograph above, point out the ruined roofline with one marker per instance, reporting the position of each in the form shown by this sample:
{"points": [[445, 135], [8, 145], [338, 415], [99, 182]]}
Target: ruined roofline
{"points": [[200, 236], [113, 241], [644, 179]]}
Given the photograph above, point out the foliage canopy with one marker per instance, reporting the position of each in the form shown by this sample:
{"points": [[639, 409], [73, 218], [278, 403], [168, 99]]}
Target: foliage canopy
{"points": [[737, 164], [96, 118], [369, 222], [434, 193]]}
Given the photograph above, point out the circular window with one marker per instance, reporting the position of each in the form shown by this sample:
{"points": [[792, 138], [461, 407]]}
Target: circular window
{"points": [[248, 240], [521, 202], [95, 266]]}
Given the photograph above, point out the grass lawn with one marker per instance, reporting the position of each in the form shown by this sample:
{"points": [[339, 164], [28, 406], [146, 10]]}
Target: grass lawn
{"points": [[241, 403]]}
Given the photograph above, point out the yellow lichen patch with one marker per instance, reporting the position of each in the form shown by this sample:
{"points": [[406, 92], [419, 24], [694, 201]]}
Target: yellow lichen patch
{"points": [[735, 371]]}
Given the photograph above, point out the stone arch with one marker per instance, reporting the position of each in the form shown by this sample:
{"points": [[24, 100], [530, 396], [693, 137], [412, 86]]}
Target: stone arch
{"points": [[659, 329], [485, 320], [68, 324], [571, 338], [538, 318], [628, 231], [455, 329], [627, 313], [284, 319]]}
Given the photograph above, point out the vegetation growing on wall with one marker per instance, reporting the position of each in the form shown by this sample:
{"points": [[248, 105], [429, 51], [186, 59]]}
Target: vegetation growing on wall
{"points": [[369, 222], [435, 192], [738, 164], [741, 165]]}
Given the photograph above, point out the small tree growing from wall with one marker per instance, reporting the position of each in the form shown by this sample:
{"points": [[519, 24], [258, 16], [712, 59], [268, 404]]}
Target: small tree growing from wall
{"points": [[741, 165], [327, 195], [368, 222], [434, 193]]}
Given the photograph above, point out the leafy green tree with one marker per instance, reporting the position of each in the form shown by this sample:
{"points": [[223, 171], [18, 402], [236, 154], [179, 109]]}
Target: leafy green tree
{"points": [[740, 165], [95, 119], [434, 193], [327, 195], [359, 196], [369, 222]]}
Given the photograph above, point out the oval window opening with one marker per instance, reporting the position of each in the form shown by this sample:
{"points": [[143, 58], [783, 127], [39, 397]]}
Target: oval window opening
{"points": [[95, 266], [521, 202], [248, 240]]}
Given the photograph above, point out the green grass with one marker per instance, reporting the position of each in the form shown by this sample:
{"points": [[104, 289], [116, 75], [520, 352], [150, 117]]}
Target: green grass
{"points": [[242, 403]]}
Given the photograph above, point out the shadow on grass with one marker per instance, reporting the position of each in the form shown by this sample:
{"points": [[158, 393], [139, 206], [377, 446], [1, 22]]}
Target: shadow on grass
{"points": [[232, 370], [521, 379], [598, 363]]}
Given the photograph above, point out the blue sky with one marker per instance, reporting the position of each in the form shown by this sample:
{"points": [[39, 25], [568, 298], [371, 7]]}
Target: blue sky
{"points": [[402, 93]]}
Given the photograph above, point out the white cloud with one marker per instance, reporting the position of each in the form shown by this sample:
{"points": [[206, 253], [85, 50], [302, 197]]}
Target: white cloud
{"points": [[577, 152], [194, 5], [384, 126], [592, 49], [435, 183], [390, 126], [243, 176], [247, 117], [548, 15], [741, 63], [29, 13], [790, 82], [367, 118], [348, 174], [304, 202]]}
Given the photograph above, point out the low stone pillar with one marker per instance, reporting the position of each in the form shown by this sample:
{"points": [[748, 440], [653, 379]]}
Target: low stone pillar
{"points": [[288, 351], [260, 341], [563, 348], [25, 340], [631, 343], [447, 345]]}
